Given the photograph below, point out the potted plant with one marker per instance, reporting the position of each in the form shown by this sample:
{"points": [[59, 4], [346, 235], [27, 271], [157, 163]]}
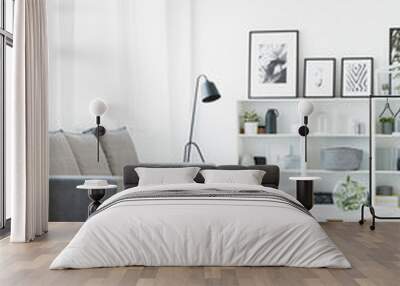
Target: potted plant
{"points": [[387, 124], [349, 195], [251, 120]]}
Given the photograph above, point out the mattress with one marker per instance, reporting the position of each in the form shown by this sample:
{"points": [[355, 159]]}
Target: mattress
{"points": [[201, 225]]}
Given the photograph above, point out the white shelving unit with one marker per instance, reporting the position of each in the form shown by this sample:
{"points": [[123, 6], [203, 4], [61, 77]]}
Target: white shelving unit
{"points": [[340, 113]]}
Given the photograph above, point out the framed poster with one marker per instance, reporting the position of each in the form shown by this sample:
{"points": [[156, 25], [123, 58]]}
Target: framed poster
{"points": [[319, 77], [357, 77], [394, 59], [273, 64]]}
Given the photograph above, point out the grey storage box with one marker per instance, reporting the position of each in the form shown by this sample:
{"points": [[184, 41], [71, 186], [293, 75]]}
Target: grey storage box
{"points": [[341, 158]]}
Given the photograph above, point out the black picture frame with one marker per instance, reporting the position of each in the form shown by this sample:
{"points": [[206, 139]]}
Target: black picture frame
{"points": [[391, 32], [249, 83], [333, 60], [371, 89]]}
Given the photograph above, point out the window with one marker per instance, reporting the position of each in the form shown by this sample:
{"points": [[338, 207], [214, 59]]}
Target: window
{"points": [[6, 44]]}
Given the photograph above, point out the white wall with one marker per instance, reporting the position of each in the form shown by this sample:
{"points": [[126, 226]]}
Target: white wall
{"points": [[142, 57], [327, 29], [132, 54]]}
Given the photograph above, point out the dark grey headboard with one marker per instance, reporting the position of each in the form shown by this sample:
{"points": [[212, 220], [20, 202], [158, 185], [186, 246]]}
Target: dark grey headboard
{"points": [[270, 179]]}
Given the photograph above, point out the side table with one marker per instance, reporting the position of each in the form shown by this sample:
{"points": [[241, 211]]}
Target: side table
{"points": [[304, 190], [95, 193]]}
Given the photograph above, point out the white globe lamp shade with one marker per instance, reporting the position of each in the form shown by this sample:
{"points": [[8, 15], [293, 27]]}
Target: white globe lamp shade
{"points": [[97, 107], [305, 107]]}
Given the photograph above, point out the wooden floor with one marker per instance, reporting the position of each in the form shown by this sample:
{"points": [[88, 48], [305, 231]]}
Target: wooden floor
{"points": [[375, 257]]}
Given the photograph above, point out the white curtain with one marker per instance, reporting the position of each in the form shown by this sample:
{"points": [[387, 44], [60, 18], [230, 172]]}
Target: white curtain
{"points": [[28, 150]]}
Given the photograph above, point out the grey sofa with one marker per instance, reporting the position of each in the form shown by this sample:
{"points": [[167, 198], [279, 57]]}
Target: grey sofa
{"points": [[73, 160]]}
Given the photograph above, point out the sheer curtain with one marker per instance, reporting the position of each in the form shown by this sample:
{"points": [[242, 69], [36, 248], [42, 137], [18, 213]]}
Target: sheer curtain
{"points": [[27, 121]]}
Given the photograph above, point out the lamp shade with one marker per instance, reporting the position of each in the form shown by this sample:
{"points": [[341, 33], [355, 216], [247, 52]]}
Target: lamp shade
{"points": [[305, 107], [209, 92], [97, 107]]}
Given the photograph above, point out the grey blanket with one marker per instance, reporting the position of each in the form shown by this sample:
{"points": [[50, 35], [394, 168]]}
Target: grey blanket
{"points": [[206, 194]]}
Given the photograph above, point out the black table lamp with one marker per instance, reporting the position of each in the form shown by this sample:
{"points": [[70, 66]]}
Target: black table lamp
{"points": [[209, 93]]}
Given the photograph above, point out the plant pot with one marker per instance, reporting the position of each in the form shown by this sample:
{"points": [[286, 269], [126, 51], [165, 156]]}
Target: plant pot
{"points": [[250, 128], [349, 195], [387, 128]]}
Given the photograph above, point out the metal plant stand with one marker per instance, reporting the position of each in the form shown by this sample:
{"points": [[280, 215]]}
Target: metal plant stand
{"points": [[369, 203]]}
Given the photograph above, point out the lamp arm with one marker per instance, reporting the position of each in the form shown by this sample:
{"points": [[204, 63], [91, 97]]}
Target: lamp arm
{"points": [[196, 95]]}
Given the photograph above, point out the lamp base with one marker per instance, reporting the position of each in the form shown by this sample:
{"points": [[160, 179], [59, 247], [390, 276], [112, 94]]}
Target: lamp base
{"points": [[188, 147]]}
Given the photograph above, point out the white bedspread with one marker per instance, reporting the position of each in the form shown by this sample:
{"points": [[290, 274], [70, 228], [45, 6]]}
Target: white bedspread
{"points": [[193, 231]]}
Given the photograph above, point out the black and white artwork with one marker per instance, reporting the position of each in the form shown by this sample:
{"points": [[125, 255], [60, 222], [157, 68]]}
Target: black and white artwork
{"points": [[357, 77], [394, 60], [273, 64], [319, 77]]}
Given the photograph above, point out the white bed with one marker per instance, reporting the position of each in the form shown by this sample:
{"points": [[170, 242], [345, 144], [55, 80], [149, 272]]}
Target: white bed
{"points": [[202, 231]]}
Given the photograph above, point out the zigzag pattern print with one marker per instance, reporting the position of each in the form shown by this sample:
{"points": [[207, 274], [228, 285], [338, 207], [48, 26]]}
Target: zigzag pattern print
{"points": [[357, 77]]}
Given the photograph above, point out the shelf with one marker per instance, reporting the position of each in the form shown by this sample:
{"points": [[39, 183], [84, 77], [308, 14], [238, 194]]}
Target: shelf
{"points": [[278, 135], [339, 135], [387, 136], [322, 171], [387, 172], [293, 135], [297, 99]]}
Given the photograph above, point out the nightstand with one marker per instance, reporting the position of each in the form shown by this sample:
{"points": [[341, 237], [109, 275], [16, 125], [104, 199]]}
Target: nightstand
{"points": [[304, 190], [95, 193]]}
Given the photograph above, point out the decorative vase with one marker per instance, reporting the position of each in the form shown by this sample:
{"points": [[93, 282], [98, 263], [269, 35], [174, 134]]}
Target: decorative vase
{"points": [[250, 128], [387, 127], [349, 195], [271, 121]]}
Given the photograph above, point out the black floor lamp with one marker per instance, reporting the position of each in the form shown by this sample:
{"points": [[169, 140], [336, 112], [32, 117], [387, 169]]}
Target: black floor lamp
{"points": [[209, 93]]}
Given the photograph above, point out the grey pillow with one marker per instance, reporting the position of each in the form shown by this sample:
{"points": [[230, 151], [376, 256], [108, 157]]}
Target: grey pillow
{"points": [[84, 147], [62, 160], [119, 150]]}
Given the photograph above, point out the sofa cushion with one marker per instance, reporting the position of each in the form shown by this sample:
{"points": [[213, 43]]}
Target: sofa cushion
{"points": [[84, 147], [62, 160], [119, 150]]}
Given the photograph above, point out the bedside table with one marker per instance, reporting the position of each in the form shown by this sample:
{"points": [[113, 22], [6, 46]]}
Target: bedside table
{"points": [[95, 193], [304, 190]]}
